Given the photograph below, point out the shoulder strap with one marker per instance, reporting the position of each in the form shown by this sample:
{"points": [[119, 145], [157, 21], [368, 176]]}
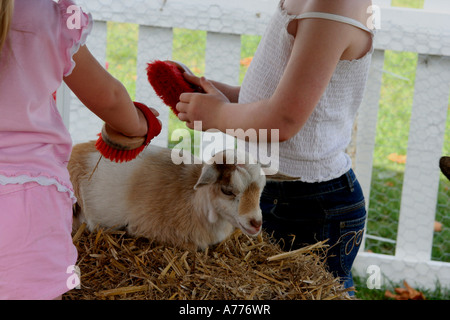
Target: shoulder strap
{"points": [[334, 17]]}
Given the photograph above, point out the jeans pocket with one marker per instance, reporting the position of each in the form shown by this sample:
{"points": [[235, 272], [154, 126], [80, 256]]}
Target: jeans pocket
{"points": [[351, 234]]}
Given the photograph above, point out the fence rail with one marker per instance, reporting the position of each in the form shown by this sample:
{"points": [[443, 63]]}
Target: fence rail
{"points": [[425, 31]]}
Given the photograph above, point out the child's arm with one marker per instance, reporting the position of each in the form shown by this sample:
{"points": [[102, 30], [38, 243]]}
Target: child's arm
{"points": [[104, 95], [318, 46], [313, 60]]}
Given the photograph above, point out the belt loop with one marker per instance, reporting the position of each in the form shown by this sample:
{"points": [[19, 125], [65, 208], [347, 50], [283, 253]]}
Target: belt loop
{"points": [[350, 181]]}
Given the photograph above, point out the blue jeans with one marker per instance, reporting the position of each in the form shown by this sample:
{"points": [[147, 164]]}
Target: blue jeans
{"points": [[333, 210]]}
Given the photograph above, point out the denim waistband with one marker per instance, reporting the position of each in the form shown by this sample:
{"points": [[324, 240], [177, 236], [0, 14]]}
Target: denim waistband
{"points": [[300, 188]]}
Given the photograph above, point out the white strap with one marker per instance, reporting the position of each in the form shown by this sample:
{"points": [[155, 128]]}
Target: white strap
{"points": [[334, 17]]}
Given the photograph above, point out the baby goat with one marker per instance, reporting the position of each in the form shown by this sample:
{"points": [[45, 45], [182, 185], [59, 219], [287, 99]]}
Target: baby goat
{"points": [[186, 205]]}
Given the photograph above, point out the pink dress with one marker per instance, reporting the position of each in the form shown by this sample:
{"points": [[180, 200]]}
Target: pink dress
{"points": [[36, 195]]}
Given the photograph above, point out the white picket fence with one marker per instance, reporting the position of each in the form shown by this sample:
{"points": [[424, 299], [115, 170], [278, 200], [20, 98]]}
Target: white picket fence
{"points": [[426, 32]]}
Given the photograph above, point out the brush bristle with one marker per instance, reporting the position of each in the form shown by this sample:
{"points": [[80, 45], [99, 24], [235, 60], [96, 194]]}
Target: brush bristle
{"points": [[117, 155], [168, 82]]}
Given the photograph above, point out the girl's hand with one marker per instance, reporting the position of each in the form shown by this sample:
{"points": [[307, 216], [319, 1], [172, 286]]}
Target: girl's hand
{"points": [[143, 126], [205, 107], [187, 74]]}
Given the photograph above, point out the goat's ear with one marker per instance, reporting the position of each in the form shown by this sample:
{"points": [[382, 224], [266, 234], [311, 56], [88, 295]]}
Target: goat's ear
{"points": [[209, 175]]}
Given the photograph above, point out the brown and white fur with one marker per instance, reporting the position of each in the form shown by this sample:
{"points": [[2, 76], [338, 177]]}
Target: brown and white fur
{"points": [[186, 205]]}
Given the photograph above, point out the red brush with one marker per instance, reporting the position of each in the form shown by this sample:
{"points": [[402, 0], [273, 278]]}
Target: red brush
{"points": [[166, 78], [119, 148]]}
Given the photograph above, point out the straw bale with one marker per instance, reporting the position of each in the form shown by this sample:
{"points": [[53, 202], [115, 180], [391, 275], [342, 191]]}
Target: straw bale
{"points": [[114, 265]]}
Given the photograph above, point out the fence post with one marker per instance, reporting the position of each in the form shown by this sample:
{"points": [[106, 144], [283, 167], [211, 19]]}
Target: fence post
{"points": [[154, 43], [437, 5], [223, 54], [382, 3], [367, 124], [426, 138]]}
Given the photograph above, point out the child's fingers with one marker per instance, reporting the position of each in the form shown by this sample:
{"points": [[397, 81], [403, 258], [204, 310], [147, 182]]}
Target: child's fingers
{"points": [[191, 78], [185, 97], [182, 107], [201, 82], [207, 85], [156, 113], [183, 117], [183, 114]]}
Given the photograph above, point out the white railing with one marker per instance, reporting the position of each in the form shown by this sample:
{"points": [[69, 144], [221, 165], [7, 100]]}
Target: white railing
{"points": [[426, 32]]}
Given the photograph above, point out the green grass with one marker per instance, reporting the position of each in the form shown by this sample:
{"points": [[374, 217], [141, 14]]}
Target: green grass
{"points": [[392, 126], [121, 53], [418, 4]]}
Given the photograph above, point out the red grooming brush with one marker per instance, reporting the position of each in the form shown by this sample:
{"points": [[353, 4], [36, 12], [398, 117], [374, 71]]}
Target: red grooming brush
{"points": [[119, 148], [166, 78]]}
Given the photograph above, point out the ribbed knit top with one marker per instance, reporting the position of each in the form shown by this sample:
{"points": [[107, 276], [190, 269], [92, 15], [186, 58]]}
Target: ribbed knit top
{"points": [[317, 152]]}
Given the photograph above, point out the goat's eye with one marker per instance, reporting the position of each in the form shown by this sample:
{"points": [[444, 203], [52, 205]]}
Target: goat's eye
{"points": [[227, 192]]}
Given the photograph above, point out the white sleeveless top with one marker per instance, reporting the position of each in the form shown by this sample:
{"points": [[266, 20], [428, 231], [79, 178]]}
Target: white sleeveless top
{"points": [[317, 152]]}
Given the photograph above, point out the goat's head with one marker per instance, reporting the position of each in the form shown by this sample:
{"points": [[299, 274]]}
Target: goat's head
{"points": [[235, 183]]}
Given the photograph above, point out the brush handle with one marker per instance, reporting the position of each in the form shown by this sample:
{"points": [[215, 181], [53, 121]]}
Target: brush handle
{"points": [[180, 66], [118, 141]]}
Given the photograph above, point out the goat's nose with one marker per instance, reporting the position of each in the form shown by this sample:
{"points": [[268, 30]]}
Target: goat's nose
{"points": [[256, 223]]}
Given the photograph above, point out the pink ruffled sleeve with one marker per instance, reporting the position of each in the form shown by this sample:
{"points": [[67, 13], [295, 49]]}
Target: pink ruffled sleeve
{"points": [[75, 26]]}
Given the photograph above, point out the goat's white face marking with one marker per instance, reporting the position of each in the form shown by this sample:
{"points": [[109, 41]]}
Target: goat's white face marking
{"points": [[235, 190], [250, 216], [239, 197]]}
